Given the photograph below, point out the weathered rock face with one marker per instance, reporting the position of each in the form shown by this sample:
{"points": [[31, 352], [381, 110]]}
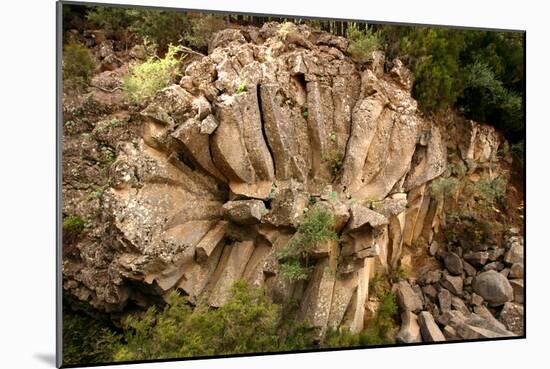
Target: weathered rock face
{"points": [[229, 160]]}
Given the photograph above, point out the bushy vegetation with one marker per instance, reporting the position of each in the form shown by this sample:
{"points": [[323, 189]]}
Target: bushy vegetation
{"points": [[478, 72], [72, 227], [86, 340], [335, 162], [78, 64], [246, 323], [162, 27], [315, 228], [379, 329], [202, 29], [362, 43], [147, 78]]}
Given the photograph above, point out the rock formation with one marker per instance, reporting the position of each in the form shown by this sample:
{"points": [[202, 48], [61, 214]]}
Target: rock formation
{"points": [[222, 166]]}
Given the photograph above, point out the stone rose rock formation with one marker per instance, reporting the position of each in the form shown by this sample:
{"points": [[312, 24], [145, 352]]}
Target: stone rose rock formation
{"points": [[229, 159]]}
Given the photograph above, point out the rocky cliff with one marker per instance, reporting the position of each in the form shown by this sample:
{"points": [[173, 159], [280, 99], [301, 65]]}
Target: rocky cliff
{"points": [[207, 182]]}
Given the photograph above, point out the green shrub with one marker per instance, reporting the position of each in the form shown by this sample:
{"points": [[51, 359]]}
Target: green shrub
{"points": [[73, 225], [442, 188], [487, 192], [246, 323], [112, 19], [314, 229], [147, 78], [78, 64], [485, 96], [161, 27], [86, 340], [294, 270], [335, 163], [378, 331], [202, 29], [362, 43], [285, 29]]}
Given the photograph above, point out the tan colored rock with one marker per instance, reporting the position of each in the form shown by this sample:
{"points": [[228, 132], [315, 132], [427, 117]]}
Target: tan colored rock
{"points": [[196, 146], [362, 216], [210, 240], [244, 211], [410, 330], [234, 269], [318, 296], [197, 275]]}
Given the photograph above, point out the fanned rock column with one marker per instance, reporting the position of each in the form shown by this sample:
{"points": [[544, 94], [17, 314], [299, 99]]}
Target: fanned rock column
{"points": [[232, 158]]}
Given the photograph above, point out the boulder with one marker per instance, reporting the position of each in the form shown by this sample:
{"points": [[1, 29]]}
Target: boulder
{"points": [[244, 211], [453, 263], [453, 283], [477, 258], [444, 298], [512, 316], [410, 330], [516, 271], [429, 329], [407, 298], [434, 247], [517, 286], [514, 253], [362, 216], [493, 287]]}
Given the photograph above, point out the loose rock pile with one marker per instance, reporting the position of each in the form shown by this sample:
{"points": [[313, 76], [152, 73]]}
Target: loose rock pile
{"points": [[465, 301]]}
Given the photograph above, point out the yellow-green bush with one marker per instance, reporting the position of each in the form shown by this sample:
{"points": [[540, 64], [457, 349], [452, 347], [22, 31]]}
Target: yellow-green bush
{"points": [[147, 78]]}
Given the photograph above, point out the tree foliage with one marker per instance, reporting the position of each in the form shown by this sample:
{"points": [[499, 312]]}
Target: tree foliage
{"points": [[78, 64], [247, 323], [479, 72], [86, 340]]}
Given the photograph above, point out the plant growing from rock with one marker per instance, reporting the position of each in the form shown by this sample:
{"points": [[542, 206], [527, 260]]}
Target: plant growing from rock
{"points": [[147, 78], [335, 163], [315, 229], [242, 87], [362, 43]]}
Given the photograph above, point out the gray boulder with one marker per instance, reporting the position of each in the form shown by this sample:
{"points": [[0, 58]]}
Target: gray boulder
{"points": [[407, 298], [453, 263], [493, 287], [453, 284], [410, 330], [429, 329], [444, 298]]}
